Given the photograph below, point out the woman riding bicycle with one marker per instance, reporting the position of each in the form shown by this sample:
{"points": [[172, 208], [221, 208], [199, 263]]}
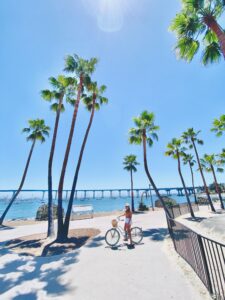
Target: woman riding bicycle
{"points": [[128, 221]]}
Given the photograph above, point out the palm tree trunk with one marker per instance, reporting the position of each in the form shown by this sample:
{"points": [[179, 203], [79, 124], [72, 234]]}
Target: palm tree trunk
{"points": [[184, 186], [65, 162], [216, 28], [193, 183], [217, 187], [69, 209], [20, 186], [203, 178], [51, 231], [132, 190], [150, 178]]}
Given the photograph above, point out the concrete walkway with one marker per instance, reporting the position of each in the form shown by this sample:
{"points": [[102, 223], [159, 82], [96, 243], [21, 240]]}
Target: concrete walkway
{"points": [[95, 271]]}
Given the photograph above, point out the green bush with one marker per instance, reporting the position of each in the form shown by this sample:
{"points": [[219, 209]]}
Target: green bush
{"points": [[142, 207], [42, 212], [168, 201]]}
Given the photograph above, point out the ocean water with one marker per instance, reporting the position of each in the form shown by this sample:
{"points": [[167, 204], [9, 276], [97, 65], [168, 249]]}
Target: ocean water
{"points": [[26, 208]]}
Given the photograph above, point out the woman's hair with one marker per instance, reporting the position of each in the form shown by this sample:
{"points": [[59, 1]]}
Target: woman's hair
{"points": [[127, 208]]}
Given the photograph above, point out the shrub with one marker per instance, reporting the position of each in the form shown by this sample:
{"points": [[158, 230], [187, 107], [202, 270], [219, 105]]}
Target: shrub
{"points": [[42, 212], [168, 201], [142, 207]]}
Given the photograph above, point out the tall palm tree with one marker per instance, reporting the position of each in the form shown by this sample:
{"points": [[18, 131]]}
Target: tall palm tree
{"points": [[92, 102], [196, 26], [145, 133], [188, 159], [36, 131], [208, 163], [190, 137], [130, 163], [81, 68], [219, 126], [175, 150], [62, 87]]}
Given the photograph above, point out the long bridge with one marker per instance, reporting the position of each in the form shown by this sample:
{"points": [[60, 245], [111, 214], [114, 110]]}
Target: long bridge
{"points": [[102, 193]]}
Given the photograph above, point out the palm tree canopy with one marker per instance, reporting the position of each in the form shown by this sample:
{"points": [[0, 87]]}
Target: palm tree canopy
{"points": [[219, 126], [189, 159], [175, 148], [144, 127], [37, 130], [130, 163], [190, 136], [209, 161], [79, 66], [222, 154], [61, 85], [193, 28], [97, 92]]}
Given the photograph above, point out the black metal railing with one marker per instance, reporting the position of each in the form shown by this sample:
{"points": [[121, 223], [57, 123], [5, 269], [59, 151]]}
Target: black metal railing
{"points": [[205, 256], [182, 209]]}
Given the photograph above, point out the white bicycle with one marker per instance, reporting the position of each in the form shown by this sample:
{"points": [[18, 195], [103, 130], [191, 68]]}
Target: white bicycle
{"points": [[112, 236]]}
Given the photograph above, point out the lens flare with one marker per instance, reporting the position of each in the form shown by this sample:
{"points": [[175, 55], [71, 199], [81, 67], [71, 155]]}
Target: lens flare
{"points": [[109, 13]]}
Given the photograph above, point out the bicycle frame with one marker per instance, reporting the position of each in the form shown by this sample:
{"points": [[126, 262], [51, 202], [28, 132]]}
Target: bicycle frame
{"points": [[120, 229]]}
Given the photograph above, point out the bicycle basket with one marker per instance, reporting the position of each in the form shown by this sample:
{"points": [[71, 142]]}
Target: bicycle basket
{"points": [[114, 223]]}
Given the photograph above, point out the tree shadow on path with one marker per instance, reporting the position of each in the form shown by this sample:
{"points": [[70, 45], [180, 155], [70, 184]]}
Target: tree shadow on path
{"points": [[156, 234], [24, 277]]}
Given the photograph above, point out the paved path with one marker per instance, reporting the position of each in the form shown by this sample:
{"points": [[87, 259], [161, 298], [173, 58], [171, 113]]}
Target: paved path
{"points": [[96, 272]]}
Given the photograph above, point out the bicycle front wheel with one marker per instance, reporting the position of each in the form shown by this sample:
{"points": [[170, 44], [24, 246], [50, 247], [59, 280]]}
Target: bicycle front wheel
{"points": [[112, 237], [136, 235]]}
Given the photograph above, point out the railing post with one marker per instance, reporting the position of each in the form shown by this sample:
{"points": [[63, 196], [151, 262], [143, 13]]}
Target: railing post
{"points": [[204, 260], [179, 209]]}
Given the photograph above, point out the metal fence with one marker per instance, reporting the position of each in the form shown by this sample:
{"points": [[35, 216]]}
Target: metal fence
{"points": [[181, 209], [205, 256]]}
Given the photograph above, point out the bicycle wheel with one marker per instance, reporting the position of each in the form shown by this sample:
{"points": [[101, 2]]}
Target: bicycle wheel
{"points": [[136, 235], [112, 237]]}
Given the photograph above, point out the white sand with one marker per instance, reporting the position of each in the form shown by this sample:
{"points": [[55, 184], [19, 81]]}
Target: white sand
{"points": [[208, 224], [151, 271]]}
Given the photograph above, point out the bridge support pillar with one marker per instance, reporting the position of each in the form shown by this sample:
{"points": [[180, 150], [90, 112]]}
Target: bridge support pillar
{"points": [[102, 194], [43, 195], [93, 194]]}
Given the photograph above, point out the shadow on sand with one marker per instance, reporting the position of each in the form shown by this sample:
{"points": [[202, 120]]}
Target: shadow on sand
{"points": [[196, 219], [3, 227]]}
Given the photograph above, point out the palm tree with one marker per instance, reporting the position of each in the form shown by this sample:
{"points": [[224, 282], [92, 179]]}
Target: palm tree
{"points": [[208, 163], [189, 159], [176, 150], [130, 163], [219, 126], [36, 131], [62, 86], [145, 133], [190, 137], [81, 68], [92, 102], [196, 26]]}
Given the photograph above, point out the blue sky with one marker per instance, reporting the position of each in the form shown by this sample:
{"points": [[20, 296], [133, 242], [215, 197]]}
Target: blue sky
{"points": [[132, 41]]}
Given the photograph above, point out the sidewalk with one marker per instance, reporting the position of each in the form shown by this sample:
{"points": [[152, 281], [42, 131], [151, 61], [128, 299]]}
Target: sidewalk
{"points": [[95, 271]]}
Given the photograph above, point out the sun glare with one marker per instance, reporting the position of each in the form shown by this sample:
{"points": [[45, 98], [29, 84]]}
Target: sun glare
{"points": [[109, 13]]}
